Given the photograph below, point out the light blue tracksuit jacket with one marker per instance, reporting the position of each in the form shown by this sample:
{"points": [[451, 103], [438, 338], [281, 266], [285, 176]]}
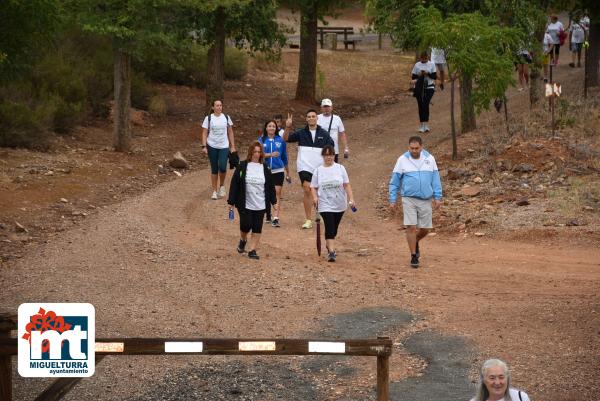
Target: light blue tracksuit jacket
{"points": [[415, 178]]}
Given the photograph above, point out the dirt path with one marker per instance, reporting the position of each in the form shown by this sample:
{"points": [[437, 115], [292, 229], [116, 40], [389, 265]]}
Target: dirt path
{"points": [[164, 264]]}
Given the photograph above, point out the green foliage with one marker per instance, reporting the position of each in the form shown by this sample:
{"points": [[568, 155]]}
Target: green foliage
{"points": [[157, 106], [236, 63], [475, 46], [26, 27], [186, 65], [25, 125], [396, 18]]}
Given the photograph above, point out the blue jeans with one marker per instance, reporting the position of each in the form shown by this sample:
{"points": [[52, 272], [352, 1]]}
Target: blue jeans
{"points": [[218, 159]]}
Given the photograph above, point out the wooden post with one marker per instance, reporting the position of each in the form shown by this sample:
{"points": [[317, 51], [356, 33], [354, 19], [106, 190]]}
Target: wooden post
{"points": [[383, 375], [7, 323], [383, 378], [379, 41]]}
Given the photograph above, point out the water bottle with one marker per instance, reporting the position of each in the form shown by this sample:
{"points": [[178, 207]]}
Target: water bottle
{"points": [[353, 208], [231, 214]]}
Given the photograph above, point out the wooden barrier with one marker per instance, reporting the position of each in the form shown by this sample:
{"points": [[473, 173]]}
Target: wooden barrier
{"points": [[380, 347]]}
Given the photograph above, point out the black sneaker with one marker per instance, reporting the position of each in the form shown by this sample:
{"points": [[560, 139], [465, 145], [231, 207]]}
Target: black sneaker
{"points": [[275, 223], [268, 220], [331, 256], [442, 86], [414, 261], [417, 251], [241, 246], [252, 255]]}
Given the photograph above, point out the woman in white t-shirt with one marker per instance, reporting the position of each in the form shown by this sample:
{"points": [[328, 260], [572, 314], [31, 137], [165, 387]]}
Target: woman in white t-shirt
{"points": [[577, 37], [251, 189], [494, 383], [331, 190], [557, 32], [217, 143]]}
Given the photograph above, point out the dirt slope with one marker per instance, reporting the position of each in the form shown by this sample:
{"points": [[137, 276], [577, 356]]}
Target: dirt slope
{"points": [[164, 264]]}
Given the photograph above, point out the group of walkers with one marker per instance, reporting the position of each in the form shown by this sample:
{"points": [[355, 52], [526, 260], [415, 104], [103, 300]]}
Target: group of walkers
{"points": [[257, 182], [555, 37]]}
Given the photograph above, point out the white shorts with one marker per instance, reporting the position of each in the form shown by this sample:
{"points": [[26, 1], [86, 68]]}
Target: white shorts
{"points": [[417, 212]]}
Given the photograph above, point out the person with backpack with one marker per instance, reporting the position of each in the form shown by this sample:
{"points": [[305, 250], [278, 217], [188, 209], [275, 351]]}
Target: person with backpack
{"points": [[494, 383], [331, 193], [311, 139], [250, 191], [424, 75], [333, 124], [218, 142], [277, 159]]}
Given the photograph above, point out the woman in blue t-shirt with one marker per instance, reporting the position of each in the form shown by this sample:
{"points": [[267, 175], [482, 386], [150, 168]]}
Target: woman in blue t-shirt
{"points": [[277, 160]]}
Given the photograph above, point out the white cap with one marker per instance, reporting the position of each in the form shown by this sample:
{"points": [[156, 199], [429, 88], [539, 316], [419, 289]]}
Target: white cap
{"points": [[326, 102]]}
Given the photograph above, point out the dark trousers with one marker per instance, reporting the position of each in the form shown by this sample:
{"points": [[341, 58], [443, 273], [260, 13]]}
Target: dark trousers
{"points": [[251, 220], [423, 102], [332, 222]]}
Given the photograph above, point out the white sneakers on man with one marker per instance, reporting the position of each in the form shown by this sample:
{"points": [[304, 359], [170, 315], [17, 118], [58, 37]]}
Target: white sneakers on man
{"points": [[214, 196], [222, 192]]}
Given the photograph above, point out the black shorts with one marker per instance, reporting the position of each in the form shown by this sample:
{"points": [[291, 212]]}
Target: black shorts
{"points": [[305, 176], [251, 220], [278, 178]]}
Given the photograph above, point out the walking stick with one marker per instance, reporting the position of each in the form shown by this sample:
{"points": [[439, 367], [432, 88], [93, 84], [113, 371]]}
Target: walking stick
{"points": [[318, 221]]}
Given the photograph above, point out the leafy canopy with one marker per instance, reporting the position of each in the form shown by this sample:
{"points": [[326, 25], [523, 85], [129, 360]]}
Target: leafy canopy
{"points": [[475, 46]]}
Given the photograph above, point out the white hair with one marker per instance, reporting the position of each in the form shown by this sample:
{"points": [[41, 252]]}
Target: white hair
{"points": [[482, 391]]}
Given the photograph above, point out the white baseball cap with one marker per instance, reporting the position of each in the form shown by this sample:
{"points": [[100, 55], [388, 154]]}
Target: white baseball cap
{"points": [[326, 102]]}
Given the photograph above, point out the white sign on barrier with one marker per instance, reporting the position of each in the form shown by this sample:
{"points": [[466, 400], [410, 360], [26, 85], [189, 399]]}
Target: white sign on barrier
{"points": [[326, 347], [109, 347], [183, 346], [256, 346]]}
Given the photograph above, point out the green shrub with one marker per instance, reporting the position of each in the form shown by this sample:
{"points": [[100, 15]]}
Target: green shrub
{"points": [[141, 91], [187, 64], [236, 63], [25, 126], [268, 62], [157, 106]]}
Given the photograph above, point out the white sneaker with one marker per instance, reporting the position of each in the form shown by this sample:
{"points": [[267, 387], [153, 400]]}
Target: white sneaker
{"points": [[426, 128], [222, 192], [214, 196], [422, 128]]}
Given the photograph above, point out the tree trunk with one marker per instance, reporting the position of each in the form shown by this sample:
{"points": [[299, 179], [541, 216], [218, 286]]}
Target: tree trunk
{"points": [[122, 106], [467, 109], [535, 68], [307, 71], [593, 54], [452, 118], [216, 61]]}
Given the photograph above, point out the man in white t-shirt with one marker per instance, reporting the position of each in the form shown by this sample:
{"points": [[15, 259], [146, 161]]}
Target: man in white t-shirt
{"points": [[333, 124]]}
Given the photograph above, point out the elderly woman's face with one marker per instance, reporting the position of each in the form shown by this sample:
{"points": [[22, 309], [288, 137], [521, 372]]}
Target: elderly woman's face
{"points": [[495, 382]]}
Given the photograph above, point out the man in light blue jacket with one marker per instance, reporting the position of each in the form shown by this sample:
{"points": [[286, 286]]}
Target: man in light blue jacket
{"points": [[417, 178]]}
